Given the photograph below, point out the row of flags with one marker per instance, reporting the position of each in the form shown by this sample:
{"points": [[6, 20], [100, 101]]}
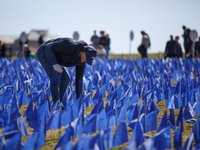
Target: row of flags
{"points": [[124, 94]]}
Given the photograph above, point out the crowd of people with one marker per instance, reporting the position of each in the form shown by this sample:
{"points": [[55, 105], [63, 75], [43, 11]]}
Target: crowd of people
{"points": [[101, 43], [173, 48]]}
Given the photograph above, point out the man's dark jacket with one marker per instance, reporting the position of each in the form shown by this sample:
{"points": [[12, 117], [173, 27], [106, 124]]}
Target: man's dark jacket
{"points": [[65, 52]]}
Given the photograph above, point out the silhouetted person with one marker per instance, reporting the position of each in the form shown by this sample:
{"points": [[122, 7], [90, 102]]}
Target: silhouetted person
{"points": [[101, 52], [145, 44], [187, 41], [102, 38], [107, 44], [178, 49], [197, 48], [2, 49], [170, 48], [26, 52], [40, 40], [95, 40]]}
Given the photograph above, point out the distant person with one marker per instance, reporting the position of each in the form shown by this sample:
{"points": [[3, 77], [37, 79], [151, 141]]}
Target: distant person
{"points": [[101, 52], [41, 40], [26, 52], [144, 45], [178, 49], [170, 48], [107, 44], [197, 48], [187, 42], [95, 40], [102, 39], [2, 49]]}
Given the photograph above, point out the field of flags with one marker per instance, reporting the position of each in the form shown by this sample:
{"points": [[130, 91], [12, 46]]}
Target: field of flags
{"points": [[123, 94]]}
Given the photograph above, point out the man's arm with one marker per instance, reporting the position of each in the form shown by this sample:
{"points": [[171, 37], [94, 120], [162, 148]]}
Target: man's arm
{"points": [[79, 80]]}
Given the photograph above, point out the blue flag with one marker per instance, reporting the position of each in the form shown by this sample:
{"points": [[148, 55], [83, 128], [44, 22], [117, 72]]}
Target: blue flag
{"points": [[55, 107], [77, 125], [66, 116], [196, 107], [94, 140], [101, 120], [174, 102], [31, 142], [122, 117], [162, 140], [98, 107], [150, 122], [14, 110], [89, 124], [65, 137], [188, 112], [163, 123], [196, 131], [42, 132], [56, 79], [4, 117], [34, 121], [188, 143], [171, 117], [22, 98], [132, 112], [19, 124], [178, 139], [83, 143], [14, 142], [43, 109], [53, 121], [137, 135], [148, 144], [108, 137], [121, 135], [152, 107], [179, 119], [68, 146], [134, 99], [29, 110], [76, 108], [87, 100]]}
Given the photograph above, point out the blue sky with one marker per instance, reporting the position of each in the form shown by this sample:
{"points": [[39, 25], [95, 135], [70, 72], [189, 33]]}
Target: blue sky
{"points": [[159, 18]]}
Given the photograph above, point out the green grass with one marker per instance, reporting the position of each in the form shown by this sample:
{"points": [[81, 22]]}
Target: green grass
{"points": [[52, 136], [150, 55]]}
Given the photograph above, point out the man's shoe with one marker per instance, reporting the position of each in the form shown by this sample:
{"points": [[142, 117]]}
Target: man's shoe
{"points": [[61, 106]]}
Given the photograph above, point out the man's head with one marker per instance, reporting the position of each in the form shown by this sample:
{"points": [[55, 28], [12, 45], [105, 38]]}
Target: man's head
{"points": [[184, 28], [176, 38], [143, 33], [102, 32], [171, 37], [88, 54]]}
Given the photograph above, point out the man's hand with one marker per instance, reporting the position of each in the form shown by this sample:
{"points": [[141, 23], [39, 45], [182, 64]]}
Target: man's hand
{"points": [[58, 68]]}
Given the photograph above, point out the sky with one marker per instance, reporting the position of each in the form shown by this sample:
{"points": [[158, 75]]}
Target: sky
{"points": [[158, 18]]}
